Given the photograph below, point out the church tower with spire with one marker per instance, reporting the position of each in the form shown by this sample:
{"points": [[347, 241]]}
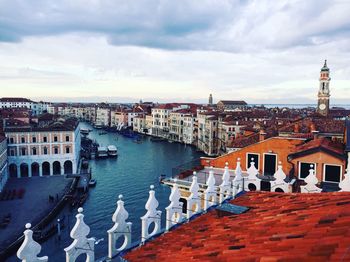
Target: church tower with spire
{"points": [[323, 92]]}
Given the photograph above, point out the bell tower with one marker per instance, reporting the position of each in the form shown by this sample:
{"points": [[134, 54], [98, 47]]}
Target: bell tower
{"points": [[323, 92]]}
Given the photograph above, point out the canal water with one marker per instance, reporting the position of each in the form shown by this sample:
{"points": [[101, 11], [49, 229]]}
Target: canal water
{"points": [[136, 168]]}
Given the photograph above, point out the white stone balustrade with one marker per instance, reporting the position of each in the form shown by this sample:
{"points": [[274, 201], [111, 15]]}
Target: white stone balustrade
{"points": [[81, 244], [174, 213], [121, 228], [237, 182], [193, 201], [29, 250], [311, 183], [279, 185], [225, 186], [210, 194], [152, 216], [345, 183]]}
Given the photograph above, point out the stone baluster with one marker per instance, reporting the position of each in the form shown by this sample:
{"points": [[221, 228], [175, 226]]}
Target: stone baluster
{"points": [[193, 201], [311, 183], [210, 194], [345, 183], [152, 216], [120, 228], [252, 182], [225, 187], [279, 185], [29, 250], [237, 182], [174, 213], [81, 244]]}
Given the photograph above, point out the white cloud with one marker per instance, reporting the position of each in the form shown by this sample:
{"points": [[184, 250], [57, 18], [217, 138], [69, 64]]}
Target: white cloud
{"points": [[254, 50]]}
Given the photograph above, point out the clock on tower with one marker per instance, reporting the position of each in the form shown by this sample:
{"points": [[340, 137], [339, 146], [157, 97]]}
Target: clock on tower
{"points": [[323, 92]]}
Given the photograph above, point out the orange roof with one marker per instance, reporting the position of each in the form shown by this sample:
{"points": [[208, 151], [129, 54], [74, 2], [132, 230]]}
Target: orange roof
{"points": [[278, 227], [322, 143]]}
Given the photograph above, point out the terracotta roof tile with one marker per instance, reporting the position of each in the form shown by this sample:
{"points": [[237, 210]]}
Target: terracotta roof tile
{"points": [[278, 227]]}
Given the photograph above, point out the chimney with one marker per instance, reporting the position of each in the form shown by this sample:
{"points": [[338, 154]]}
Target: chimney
{"points": [[262, 135], [296, 128], [312, 127], [315, 134]]}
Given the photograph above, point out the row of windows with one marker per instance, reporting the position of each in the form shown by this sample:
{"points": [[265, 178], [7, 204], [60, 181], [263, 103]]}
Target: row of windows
{"points": [[331, 173], [23, 139], [34, 151]]}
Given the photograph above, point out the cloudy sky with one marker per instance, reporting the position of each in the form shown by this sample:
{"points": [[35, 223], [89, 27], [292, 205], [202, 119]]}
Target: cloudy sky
{"points": [[259, 51]]}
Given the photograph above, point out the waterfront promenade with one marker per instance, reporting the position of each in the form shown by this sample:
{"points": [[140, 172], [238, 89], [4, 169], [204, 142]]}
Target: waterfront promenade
{"points": [[32, 207]]}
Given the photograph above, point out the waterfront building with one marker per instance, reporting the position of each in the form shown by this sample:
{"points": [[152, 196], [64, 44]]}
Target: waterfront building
{"points": [[103, 116], [176, 124], [190, 129], [119, 117], [208, 132], [3, 162], [160, 121], [49, 147], [231, 105], [132, 113], [148, 124], [36, 108], [139, 124], [323, 92]]}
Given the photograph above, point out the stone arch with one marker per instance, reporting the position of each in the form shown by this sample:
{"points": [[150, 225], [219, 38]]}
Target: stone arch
{"points": [[68, 167], [46, 168], [35, 169], [24, 168], [252, 187], [56, 168], [13, 170], [279, 190]]}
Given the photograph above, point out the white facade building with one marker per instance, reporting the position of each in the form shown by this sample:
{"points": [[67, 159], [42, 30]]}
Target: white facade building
{"points": [[53, 149]]}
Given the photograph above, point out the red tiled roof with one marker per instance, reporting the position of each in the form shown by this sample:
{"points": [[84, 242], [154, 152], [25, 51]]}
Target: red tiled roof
{"points": [[14, 99], [278, 227], [320, 143]]}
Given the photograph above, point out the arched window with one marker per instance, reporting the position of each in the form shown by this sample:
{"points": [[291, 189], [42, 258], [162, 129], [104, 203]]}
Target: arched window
{"points": [[56, 150], [33, 151], [67, 150], [45, 150]]}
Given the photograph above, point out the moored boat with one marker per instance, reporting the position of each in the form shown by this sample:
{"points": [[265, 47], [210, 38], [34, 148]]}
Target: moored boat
{"points": [[157, 139], [92, 182], [102, 152], [112, 150], [84, 131]]}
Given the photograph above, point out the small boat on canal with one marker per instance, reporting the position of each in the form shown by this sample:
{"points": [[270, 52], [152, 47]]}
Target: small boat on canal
{"points": [[84, 131], [102, 152], [92, 182], [157, 139], [112, 151]]}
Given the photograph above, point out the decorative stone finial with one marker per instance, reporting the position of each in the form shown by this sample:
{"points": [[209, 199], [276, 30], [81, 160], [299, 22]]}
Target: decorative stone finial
{"points": [[280, 184], [193, 201], [81, 244], [311, 183], [119, 229], [210, 192], [174, 210], [225, 187], [345, 183], [152, 216], [253, 182], [29, 250], [237, 183]]}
